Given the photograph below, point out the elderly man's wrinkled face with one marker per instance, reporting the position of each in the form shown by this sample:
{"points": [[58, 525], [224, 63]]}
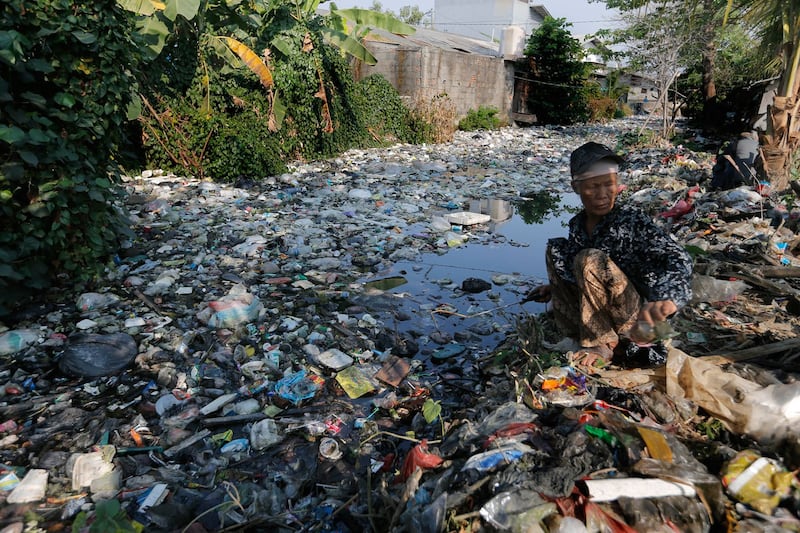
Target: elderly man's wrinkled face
{"points": [[598, 194]]}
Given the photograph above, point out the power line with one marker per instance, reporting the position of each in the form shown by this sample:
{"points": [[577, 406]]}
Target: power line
{"points": [[504, 21]]}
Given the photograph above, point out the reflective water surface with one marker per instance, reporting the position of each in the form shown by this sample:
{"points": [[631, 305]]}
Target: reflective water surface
{"points": [[424, 300]]}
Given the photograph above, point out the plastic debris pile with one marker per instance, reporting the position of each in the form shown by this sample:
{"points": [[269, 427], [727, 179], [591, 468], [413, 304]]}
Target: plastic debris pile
{"points": [[244, 365]]}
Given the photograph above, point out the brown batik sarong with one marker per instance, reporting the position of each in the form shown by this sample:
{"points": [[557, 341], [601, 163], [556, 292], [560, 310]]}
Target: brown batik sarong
{"points": [[600, 305]]}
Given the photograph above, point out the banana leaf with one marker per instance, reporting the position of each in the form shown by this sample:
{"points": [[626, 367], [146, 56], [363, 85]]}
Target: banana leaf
{"points": [[277, 113], [349, 45], [251, 59], [383, 21], [154, 32], [141, 7], [186, 8]]}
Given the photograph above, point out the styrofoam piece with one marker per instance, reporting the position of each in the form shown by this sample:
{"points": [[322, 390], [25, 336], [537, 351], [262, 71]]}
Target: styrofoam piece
{"points": [[607, 490], [467, 218]]}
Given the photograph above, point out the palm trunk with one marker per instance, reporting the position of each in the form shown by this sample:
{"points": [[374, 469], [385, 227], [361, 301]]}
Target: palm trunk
{"points": [[781, 140], [783, 128], [783, 116], [709, 59]]}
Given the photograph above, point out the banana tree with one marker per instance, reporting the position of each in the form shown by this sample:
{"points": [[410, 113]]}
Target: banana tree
{"points": [[154, 18], [345, 28], [350, 26], [342, 28], [778, 24]]}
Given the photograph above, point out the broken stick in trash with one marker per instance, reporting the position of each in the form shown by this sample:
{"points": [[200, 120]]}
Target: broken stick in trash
{"points": [[765, 350], [442, 311]]}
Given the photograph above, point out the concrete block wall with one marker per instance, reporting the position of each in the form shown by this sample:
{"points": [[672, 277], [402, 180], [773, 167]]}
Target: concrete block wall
{"points": [[470, 80]]}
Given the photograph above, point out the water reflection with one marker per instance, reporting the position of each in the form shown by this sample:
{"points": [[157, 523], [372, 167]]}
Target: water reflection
{"points": [[508, 252], [499, 210], [534, 208], [538, 207]]}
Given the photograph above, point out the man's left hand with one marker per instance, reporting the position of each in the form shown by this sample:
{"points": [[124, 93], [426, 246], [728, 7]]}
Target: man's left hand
{"points": [[653, 312]]}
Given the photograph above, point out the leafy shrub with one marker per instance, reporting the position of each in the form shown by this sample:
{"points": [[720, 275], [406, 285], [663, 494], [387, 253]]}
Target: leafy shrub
{"points": [[484, 118], [638, 139], [242, 145], [432, 120], [64, 94], [222, 145], [385, 115]]}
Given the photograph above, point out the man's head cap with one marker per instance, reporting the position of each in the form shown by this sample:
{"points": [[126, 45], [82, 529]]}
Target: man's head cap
{"points": [[593, 159]]}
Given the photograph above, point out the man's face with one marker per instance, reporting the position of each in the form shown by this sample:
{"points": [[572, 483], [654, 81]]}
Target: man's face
{"points": [[598, 194]]}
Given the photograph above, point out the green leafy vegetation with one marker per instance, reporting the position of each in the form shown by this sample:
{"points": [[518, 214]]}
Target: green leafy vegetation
{"points": [[109, 517], [214, 90], [385, 115], [558, 73], [484, 118], [63, 101]]}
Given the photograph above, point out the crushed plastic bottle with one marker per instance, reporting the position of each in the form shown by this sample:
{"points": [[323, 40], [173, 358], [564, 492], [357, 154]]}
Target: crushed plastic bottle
{"points": [[488, 461], [93, 301]]}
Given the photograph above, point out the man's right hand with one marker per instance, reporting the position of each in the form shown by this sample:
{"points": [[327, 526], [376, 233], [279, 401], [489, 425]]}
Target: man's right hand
{"points": [[539, 294]]}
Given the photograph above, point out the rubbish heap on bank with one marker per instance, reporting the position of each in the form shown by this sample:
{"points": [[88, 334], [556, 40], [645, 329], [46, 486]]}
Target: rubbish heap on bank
{"points": [[245, 363]]}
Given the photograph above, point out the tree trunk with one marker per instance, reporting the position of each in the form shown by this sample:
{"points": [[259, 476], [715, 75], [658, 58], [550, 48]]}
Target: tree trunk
{"points": [[709, 60], [781, 140]]}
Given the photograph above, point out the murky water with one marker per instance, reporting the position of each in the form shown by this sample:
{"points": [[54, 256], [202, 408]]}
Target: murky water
{"points": [[424, 299]]}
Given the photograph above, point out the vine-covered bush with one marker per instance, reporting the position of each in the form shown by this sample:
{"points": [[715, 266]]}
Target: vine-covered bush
{"points": [[320, 96], [223, 143], [65, 81], [219, 126], [483, 118], [385, 115]]}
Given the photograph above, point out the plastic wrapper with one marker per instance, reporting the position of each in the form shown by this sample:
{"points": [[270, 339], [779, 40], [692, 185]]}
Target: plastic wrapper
{"points": [[758, 481], [562, 386], [419, 457], [17, 340], [629, 354], [235, 308], [264, 434], [299, 387], [768, 414], [488, 461], [93, 301], [713, 290]]}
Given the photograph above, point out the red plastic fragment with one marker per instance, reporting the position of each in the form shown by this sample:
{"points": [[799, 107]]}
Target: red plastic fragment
{"points": [[419, 457]]}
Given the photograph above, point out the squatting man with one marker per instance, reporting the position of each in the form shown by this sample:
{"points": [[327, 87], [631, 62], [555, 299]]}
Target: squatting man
{"points": [[617, 272]]}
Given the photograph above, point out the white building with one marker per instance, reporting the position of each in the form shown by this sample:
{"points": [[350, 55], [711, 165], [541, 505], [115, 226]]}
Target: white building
{"points": [[487, 19]]}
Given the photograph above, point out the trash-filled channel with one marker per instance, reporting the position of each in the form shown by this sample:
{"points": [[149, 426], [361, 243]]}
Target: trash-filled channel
{"points": [[345, 348]]}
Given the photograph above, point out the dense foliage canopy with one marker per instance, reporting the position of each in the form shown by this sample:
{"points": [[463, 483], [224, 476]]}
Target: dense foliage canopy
{"points": [[557, 72]]}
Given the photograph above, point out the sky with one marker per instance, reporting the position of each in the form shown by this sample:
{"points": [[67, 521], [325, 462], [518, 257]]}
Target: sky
{"points": [[585, 17]]}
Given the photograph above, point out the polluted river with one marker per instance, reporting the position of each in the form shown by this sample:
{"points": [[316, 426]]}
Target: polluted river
{"points": [[346, 347]]}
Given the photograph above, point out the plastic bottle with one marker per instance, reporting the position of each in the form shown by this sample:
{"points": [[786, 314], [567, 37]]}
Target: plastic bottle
{"points": [[265, 433], [92, 301]]}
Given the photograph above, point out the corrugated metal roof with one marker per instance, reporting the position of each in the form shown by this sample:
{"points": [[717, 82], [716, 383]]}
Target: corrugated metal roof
{"points": [[437, 39]]}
